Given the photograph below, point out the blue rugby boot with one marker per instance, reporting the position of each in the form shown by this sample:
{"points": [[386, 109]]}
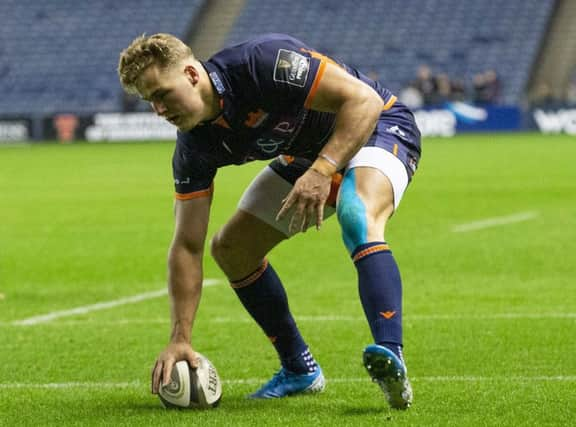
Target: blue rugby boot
{"points": [[389, 371], [286, 383]]}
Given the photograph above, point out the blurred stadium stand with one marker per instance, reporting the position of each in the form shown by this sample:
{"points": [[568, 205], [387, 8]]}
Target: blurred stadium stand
{"points": [[556, 70], [392, 38], [61, 55]]}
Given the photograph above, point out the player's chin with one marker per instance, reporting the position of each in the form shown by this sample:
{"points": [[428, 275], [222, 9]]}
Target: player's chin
{"points": [[186, 126]]}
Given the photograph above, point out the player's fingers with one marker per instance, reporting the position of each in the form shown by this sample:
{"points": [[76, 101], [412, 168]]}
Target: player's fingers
{"points": [[292, 225], [156, 376], [294, 222], [309, 217], [304, 225], [193, 360], [298, 218], [286, 205], [319, 215], [166, 371]]}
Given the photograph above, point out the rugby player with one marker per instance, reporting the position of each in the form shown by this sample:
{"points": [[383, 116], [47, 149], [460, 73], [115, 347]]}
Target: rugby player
{"points": [[340, 143]]}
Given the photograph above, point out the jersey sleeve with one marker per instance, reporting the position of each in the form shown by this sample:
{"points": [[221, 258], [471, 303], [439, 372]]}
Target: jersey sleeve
{"points": [[193, 173], [286, 71]]}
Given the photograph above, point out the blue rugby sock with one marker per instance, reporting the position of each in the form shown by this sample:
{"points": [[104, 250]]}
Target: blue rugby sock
{"points": [[264, 297], [380, 289]]}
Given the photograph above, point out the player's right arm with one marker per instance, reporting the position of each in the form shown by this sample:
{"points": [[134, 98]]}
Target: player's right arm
{"points": [[184, 284]]}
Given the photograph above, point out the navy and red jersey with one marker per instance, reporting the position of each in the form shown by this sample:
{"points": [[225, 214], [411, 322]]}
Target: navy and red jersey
{"points": [[266, 86]]}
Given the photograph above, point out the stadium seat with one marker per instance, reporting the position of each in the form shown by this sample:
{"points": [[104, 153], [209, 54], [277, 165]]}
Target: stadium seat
{"points": [[62, 56], [393, 37]]}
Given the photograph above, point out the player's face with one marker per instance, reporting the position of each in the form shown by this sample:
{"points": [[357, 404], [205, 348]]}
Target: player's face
{"points": [[174, 94]]}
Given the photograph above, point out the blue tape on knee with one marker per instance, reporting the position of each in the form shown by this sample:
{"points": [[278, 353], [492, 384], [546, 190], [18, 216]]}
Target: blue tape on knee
{"points": [[351, 213]]}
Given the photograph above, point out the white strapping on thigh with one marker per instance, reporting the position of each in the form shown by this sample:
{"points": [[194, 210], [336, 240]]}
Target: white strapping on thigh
{"points": [[263, 199], [388, 164]]}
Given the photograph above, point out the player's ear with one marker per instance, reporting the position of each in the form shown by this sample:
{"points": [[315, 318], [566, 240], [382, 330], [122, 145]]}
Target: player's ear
{"points": [[192, 74]]}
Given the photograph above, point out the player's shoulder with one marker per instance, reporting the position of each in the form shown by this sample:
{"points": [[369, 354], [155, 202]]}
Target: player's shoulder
{"points": [[196, 142], [192, 152], [193, 137]]}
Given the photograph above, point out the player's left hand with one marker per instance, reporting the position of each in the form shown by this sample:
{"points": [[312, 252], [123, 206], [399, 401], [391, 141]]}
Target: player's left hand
{"points": [[308, 197]]}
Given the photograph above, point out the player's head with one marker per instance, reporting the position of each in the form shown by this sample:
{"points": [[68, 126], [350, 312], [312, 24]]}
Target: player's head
{"points": [[162, 70]]}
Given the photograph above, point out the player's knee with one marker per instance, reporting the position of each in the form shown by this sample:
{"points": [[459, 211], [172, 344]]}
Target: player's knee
{"points": [[220, 249]]}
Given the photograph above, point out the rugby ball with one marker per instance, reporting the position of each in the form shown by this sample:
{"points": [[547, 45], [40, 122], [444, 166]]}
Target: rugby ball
{"points": [[198, 388]]}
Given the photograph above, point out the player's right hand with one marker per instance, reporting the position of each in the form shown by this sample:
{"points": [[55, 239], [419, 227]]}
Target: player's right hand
{"points": [[174, 352]]}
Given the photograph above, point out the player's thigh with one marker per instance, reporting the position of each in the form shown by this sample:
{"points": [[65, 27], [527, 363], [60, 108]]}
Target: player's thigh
{"points": [[263, 198]]}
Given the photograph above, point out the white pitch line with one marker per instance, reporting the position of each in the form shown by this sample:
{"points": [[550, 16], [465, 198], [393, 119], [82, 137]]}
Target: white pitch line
{"points": [[246, 319], [492, 316], [250, 381], [70, 385], [494, 222], [456, 316], [455, 378], [99, 306]]}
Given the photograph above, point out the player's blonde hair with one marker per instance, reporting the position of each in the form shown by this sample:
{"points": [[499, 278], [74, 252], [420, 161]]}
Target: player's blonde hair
{"points": [[159, 49]]}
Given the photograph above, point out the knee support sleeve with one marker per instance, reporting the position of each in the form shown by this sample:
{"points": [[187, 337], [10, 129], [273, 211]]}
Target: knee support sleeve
{"points": [[351, 213]]}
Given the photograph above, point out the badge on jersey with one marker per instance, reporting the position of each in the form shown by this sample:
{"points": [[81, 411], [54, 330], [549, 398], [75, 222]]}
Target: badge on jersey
{"points": [[291, 67]]}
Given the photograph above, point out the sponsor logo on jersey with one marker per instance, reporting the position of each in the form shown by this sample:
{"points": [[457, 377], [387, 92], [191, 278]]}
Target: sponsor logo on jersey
{"points": [[269, 145], [291, 67], [282, 63], [255, 118], [285, 127], [396, 131]]}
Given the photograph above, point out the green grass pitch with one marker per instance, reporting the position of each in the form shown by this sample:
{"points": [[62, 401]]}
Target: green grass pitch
{"points": [[489, 313]]}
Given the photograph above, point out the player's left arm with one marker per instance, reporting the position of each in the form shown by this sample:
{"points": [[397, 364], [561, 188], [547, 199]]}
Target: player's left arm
{"points": [[357, 107]]}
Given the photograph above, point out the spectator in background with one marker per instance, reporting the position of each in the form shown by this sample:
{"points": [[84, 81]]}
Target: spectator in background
{"points": [[411, 97], [425, 84], [458, 90], [373, 74], [443, 90], [478, 87], [486, 87]]}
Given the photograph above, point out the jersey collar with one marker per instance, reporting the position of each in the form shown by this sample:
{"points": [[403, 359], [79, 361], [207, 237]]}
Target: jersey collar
{"points": [[215, 78], [222, 90]]}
